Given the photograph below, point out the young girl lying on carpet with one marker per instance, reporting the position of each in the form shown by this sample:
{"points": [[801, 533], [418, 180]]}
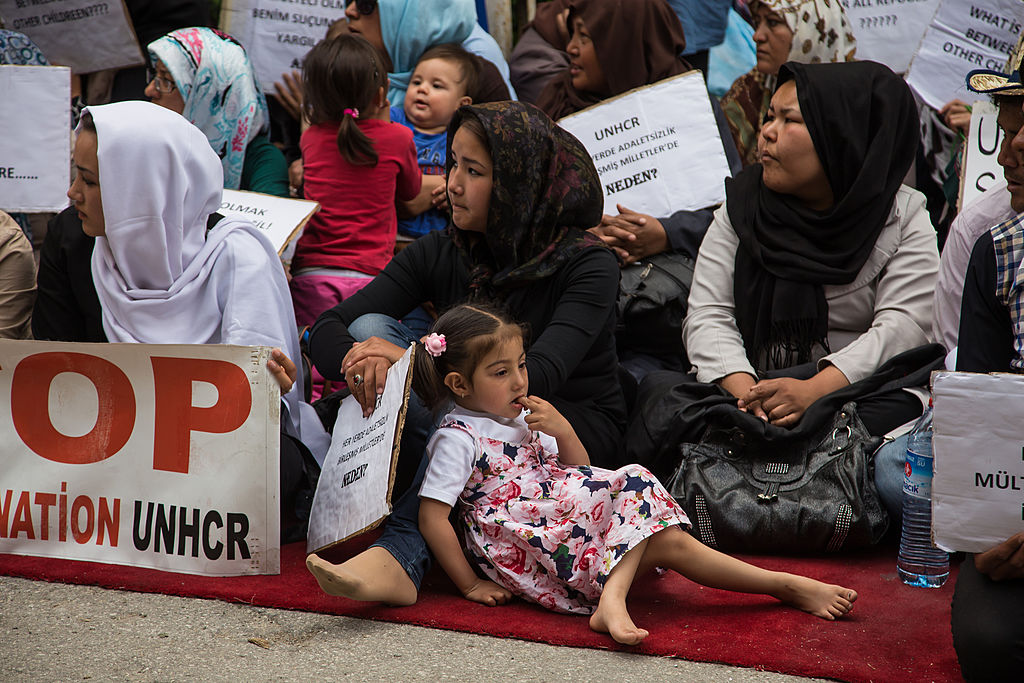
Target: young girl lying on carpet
{"points": [[539, 521]]}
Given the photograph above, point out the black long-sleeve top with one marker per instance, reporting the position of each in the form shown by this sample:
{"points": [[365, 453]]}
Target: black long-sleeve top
{"points": [[985, 340], [570, 360], [67, 308]]}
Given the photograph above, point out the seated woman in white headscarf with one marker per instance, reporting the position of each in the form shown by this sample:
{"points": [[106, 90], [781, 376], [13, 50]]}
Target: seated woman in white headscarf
{"points": [[168, 269]]}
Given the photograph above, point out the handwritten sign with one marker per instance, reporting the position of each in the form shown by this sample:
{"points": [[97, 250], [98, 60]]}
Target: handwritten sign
{"points": [[964, 35], [35, 146], [889, 31], [978, 489], [277, 34], [147, 455], [280, 218], [354, 491], [656, 148], [86, 35], [981, 167]]}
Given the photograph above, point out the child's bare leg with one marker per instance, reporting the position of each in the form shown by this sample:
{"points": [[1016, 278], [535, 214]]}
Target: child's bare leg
{"points": [[611, 616], [677, 550], [372, 575]]}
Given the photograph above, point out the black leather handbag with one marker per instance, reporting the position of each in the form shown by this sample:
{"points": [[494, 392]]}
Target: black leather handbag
{"points": [[652, 304], [818, 495]]}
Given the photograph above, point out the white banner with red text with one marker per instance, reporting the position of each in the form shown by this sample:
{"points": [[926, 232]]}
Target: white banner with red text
{"points": [[160, 456]]}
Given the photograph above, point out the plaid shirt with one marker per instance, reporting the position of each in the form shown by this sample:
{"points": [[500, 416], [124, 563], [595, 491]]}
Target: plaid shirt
{"points": [[1008, 239]]}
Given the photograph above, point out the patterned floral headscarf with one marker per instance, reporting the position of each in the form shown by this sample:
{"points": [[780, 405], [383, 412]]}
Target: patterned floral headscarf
{"points": [[19, 50], [222, 97], [821, 33], [546, 194]]}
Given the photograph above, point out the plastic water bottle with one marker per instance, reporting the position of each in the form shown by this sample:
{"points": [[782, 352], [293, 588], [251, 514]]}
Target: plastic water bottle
{"points": [[920, 563]]}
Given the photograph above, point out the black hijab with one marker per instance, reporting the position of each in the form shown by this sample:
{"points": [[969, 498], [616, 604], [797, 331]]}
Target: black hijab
{"points": [[546, 194], [863, 122]]}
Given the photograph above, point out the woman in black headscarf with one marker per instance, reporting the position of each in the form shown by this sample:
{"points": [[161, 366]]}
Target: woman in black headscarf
{"points": [[522, 192], [821, 265]]}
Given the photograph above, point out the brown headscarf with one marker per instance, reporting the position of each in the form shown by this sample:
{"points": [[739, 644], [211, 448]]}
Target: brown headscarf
{"points": [[545, 22], [638, 42]]}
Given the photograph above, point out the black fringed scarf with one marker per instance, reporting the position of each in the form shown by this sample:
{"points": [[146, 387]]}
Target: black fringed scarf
{"points": [[863, 122]]}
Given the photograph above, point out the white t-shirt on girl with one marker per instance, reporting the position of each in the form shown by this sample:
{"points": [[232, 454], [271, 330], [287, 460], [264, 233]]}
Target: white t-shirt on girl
{"points": [[453, 451]]}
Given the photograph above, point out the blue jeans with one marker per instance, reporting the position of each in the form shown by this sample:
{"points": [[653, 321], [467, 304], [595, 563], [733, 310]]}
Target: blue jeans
{"points": [[401, 536], [890, 460]]}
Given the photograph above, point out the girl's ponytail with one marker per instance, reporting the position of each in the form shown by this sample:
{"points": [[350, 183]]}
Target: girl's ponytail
{"points": [[427, 380], [342, 78], [354, 146]]}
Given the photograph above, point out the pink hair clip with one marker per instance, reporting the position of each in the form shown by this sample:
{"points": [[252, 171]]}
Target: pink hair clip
{"points": [[435, 344], [353, 112]]}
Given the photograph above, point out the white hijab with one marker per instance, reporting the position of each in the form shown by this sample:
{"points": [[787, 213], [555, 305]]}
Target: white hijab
{"points": [[160, 278]]}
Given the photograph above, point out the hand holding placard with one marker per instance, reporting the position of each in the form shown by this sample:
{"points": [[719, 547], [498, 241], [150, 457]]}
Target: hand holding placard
{"points": [[354, 492]]}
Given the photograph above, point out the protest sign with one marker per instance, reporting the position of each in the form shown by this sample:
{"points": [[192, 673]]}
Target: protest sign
{"points": [[889, 31], [656, 148], [964, 35], [154, 456], [354, 491], [277, 34], [86, 35], [981, 167], [281, 219], [978, 486], [35, 147]]}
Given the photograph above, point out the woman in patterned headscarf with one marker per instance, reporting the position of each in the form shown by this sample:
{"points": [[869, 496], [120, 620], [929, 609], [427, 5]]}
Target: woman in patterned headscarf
{"points": [[522, 191], [206, 76], [804, 31]]}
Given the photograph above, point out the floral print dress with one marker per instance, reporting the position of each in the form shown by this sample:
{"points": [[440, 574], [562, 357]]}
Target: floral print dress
{"points": [[552, 533]]}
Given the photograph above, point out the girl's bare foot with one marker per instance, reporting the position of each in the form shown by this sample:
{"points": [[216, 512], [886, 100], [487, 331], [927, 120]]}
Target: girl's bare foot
{"points": [[332, 579], [824, 600], [616, 622], [372, 575]]}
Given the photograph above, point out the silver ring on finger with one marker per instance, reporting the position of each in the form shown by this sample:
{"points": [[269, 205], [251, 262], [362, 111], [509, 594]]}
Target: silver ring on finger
{"points": [[357, 380]]}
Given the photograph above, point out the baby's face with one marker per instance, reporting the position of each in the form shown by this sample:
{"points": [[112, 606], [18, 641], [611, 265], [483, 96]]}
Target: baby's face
{"points": [[435, 92]]}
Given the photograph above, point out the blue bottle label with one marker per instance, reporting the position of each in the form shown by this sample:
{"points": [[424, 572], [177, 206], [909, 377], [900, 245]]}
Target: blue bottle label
{"points": [[917, 475]]}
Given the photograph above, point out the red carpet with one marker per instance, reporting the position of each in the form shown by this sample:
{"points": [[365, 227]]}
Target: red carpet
{"points": [[895, 632]]}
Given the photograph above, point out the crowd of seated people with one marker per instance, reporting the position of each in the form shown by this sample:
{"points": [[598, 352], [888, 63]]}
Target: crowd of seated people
{"points": [[438, 188]]}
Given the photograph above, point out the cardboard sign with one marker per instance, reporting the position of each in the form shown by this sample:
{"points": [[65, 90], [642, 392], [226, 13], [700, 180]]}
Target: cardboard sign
{"points": [[35, 146], [889, 31], [281, 219], [161, 456], [354, 491], [276, 34], [978, 489], [981, 167], [656, 148], [86, 35], [964, 35]]}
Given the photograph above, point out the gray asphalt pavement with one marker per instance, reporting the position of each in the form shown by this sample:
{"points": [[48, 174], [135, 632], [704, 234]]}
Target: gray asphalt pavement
{"points": [[57, 632]]}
